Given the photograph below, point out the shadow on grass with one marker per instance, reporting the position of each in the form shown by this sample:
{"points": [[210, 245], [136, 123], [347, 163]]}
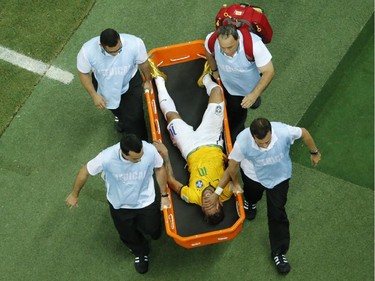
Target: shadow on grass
{"points": [[341, 117]]}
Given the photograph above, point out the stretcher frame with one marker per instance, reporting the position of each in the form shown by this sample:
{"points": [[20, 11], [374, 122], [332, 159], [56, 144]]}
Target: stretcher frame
{"points": [[167, 56]]}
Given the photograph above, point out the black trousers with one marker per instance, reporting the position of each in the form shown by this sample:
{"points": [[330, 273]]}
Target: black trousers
{"points": [[130, 111], [133, 224], [278, 223], [236, 114]]}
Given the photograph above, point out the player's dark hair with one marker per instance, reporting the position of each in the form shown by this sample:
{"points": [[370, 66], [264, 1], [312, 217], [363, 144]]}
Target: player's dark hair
{"points": [[130, 142], [217, 217], [227, 30], [260, 127], [109, 37]]}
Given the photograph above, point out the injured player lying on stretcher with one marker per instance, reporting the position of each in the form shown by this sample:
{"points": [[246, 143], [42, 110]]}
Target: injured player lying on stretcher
{"points": [[201, 148]]}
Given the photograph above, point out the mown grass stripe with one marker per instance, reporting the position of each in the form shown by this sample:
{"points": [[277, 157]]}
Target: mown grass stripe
{"points": [[35, 66]]}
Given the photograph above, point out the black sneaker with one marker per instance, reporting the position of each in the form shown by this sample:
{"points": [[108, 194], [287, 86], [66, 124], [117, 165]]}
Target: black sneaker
{"points": [[282, 265], [250, 210], [118, 126], [141, 264]]}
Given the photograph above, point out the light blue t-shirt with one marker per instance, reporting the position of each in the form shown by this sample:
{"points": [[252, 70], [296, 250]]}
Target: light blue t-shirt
{"points": [[238, 74], [113, 73], [269, 166], [129, 185]]}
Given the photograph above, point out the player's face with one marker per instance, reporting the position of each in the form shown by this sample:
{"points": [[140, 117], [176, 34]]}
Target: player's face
{"points": [[265, 142], [133, 156], [211, 209], [228, 45]]}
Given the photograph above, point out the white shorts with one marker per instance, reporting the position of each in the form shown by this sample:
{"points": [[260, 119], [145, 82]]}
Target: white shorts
{"points": [[209, 131]]}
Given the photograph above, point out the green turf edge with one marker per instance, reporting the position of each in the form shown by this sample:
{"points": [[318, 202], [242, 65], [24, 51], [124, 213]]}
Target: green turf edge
{"points": [[13, 94], [18, 22], [334, 79], [350, 121]]}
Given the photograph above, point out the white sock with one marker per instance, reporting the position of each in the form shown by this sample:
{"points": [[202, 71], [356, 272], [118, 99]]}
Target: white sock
{"points": [[209, 84], [165, 101]]}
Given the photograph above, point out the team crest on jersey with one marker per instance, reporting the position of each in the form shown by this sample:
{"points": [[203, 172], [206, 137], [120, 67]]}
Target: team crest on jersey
{"points": [[199, 184], [218, 110]]}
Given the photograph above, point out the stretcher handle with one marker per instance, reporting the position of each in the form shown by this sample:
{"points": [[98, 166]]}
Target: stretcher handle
{"points": [[182, 58]]}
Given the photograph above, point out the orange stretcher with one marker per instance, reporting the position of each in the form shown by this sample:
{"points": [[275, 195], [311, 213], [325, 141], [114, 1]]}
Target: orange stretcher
{"points": [[183, 64]]}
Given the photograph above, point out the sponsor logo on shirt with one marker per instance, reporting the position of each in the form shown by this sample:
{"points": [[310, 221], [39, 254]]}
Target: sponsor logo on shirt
{"points": [[130, 176], [270, 160], [119, 70]]}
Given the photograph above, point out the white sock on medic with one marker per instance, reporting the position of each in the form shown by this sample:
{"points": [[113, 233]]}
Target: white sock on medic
{"points": [[165, 101], [209, 84]]}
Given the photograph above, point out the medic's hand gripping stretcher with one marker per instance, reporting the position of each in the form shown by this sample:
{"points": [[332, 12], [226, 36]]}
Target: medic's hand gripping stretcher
{"points": [[183, 63]]}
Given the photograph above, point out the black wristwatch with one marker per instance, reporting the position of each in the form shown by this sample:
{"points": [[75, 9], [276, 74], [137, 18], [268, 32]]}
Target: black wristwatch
{"points": [[164, 195], [314, 152]]}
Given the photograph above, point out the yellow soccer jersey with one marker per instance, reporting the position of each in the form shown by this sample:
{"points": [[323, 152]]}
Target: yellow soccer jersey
{"points": [[206, 166]]}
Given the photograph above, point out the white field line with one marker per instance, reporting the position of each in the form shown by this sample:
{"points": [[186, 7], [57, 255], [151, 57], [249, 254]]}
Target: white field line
{"points": [[35, 66]]}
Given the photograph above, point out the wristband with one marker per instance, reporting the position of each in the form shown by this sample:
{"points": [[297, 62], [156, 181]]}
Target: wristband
{"points": [[164, 195], [218, 190], [214, 70], [314, 152]]}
